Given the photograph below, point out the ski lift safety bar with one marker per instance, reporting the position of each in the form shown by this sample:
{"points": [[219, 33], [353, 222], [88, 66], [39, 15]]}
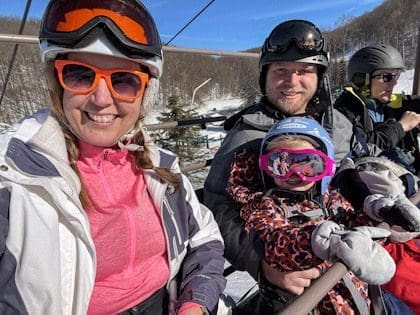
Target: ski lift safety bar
{"points": [[28, 39], [186, 122]]}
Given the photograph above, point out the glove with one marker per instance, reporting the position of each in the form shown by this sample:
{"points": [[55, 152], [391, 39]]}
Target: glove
{"points": [[368, 260], [394, 210]]}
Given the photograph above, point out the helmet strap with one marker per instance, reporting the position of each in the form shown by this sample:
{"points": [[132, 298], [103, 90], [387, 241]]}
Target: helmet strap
{"points": [[263, 78]]}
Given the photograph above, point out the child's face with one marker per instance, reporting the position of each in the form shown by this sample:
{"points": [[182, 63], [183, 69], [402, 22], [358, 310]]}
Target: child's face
{"points": [[294, 182]]}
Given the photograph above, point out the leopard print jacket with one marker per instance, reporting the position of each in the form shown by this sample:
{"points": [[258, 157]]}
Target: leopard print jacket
{"points": [[284, 243]]}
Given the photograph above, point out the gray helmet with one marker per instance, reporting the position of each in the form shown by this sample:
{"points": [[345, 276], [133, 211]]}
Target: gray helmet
{"points": [[371, 58], [294, 40]]}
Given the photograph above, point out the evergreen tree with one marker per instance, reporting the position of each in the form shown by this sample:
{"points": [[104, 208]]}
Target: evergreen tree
{"points": [[184, 141]]}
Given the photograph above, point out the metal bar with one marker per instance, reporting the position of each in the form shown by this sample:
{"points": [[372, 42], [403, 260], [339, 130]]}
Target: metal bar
{"points": [[200, 121], [196, 89], [216, 53], [28, 39], [183, 123], [312, 295], [416, 81], [15, 49], [196, 166]]}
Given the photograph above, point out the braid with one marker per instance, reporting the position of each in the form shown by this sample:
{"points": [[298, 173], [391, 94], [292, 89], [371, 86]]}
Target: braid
{"points": [[143, 161], [56, 94]]}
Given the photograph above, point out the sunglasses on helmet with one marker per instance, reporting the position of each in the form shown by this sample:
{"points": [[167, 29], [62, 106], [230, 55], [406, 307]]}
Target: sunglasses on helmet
{"points": [[309, 164], [82, 78], [68, 22], [304, 35], [387, 77]]}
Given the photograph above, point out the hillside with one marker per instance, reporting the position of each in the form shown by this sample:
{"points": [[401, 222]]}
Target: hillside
{"points": [[394, 22]]}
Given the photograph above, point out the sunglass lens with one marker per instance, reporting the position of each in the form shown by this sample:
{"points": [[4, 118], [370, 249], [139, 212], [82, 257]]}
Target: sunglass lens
{"points": [[388, 77], [125, 83], [78, 77]]}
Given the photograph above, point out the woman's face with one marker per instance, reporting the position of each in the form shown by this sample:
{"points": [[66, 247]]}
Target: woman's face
{"points": [[98, 118]]}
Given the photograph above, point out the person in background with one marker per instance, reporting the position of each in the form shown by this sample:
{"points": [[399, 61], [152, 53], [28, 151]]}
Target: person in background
{"points": [[286, 218], [95, 218], [292, 66], [389, 122], [373, 72]]}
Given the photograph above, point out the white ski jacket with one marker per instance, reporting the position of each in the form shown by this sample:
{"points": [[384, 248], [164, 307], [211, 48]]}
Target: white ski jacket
{"points": [[47, 256]]}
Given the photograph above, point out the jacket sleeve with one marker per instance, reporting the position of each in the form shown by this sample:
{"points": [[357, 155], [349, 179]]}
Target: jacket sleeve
{"points": [[385, 135], [4, 218], [202, 269], [239, 250]]}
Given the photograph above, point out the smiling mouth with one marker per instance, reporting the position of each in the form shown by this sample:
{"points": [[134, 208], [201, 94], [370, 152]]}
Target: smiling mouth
{"points": [[290, 93], [101, 118], [294, 181]]}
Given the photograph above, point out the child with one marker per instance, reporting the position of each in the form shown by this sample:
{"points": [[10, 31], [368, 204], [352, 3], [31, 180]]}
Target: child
{"points": [[287, 222]]}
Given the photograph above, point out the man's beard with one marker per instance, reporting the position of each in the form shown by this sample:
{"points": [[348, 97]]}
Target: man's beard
{"points": [[290, 108]]}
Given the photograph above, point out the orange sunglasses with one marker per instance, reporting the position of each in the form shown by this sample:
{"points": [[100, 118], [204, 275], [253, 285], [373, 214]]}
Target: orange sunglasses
{"points": [[82, 78]]}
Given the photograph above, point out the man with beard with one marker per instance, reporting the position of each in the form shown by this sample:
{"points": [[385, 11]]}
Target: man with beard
{"points": [[292, 67]]}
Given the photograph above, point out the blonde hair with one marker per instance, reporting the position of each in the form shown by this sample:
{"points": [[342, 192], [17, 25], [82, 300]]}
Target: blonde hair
{"points": [[142, 157], [289, 141]]}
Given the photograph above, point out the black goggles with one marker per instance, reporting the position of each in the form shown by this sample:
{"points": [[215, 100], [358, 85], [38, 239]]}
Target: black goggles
{"points": [[387, 77], [303, 34], [66, 23]]}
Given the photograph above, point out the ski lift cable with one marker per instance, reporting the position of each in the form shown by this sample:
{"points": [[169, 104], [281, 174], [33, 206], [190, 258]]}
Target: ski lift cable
{"points": [[12, 59], [186, 25]]}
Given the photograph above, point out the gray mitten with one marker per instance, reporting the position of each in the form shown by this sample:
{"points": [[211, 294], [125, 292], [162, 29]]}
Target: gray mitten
{"points": [[356, 249], [394, 210]]}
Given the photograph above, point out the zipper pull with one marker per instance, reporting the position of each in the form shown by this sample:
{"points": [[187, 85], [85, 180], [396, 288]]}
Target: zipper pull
{"points": [[106, 152]]}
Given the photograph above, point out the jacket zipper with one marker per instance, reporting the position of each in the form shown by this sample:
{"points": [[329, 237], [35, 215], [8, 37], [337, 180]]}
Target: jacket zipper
{"points": [[128, 210]]}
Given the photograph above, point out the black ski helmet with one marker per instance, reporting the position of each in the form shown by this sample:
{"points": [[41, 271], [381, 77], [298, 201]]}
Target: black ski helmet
{"points": [[368, 59], [293, 40]]}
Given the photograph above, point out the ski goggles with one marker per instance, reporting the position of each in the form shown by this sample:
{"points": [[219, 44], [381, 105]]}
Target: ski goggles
{"points": [[82, 78], [304, 35], [309, 164], [67, 22], [387, 77]]}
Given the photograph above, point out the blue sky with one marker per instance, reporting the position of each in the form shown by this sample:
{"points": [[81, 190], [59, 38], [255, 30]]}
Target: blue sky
{"points": [[232, 25]]}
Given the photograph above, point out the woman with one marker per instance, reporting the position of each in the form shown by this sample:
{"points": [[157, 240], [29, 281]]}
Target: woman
{"points": [[95, 218]]}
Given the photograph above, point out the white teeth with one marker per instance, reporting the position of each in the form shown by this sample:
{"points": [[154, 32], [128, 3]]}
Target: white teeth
{"points": [[101, 118]]}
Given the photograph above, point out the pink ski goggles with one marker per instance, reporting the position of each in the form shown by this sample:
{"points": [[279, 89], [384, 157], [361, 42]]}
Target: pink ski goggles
{"points": [[309, 164]]}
